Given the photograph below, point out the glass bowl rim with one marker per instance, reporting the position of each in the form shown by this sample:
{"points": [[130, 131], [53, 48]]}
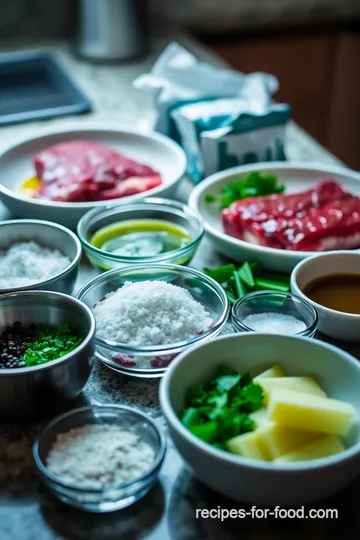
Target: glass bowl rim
{"points": [[157, 201], [169, 347], [239, 324], [45, 471]]}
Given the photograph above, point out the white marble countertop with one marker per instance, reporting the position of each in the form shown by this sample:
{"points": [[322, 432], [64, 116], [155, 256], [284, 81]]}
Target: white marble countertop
{"points": [[27, 511]]}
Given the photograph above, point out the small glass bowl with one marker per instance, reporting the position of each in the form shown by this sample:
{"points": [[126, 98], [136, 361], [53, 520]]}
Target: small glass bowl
{"points": [[110, 498], [152, 361], [150, 208], [274, 302]]}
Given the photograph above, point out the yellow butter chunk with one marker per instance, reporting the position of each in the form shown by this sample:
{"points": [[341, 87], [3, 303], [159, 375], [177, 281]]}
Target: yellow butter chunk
{"points": [[260, 417], [251, 445], [309, 412], [270, 441], [308, 385], [275, 371], [280, 440], [326, 446]]}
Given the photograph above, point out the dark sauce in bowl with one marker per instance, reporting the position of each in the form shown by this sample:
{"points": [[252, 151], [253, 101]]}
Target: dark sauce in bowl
{"points": [[340, 292]]}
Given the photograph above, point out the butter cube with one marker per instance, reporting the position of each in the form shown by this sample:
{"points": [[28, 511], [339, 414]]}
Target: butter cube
{"points": [[326, 446], [308, 385], [281, 440], [251, 445], [275, 371], [260, 417], [309, 412], [270, 441]]}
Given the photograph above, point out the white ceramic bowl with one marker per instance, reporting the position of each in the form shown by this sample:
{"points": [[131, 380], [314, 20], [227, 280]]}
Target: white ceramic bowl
{"points": [[336, 324], [152, 149], [256, 482], [295, 176]]}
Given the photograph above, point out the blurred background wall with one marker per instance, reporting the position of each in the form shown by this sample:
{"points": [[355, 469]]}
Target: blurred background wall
{"points": [[312, 46]]}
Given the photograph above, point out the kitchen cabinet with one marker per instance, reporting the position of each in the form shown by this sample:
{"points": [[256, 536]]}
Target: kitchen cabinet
{"points": [[319, 75]]}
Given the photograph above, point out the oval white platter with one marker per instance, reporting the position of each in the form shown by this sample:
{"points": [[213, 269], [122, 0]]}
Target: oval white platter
{"points": [[153, 149], [295, 176]]}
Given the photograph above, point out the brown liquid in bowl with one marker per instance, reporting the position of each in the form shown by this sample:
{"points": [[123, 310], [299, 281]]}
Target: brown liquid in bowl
{"points": [[337, 291]]}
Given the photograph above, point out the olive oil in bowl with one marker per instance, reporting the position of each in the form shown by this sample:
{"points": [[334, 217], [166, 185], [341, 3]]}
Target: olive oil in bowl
{"points": [[140, 238]]}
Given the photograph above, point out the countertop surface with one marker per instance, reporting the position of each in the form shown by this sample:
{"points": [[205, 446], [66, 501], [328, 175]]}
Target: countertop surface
{"points": [[27, 510]]}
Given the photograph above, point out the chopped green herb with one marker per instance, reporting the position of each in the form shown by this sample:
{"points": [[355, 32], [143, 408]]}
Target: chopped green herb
{"points": [[219, 409], [252, 185], [49, 344]]}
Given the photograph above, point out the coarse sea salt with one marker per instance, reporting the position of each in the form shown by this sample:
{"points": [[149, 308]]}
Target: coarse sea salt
{"points": [[149, 313], [96, 455], [274, 323], [26, 263]]}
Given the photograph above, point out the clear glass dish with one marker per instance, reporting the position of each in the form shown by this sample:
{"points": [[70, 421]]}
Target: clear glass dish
{"points": [[274, 302], [160, 209], [109, 498], [153, 361]]}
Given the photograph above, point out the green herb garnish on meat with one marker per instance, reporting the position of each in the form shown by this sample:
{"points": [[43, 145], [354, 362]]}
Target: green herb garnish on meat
{"points": [[254, 184], [219, 409]]}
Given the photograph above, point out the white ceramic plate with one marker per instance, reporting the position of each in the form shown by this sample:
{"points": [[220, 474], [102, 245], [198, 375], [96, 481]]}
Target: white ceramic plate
{"points": [[152, 149], [295, 176]]}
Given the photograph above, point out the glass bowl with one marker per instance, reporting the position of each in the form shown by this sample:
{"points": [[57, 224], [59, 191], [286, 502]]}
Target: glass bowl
{"points": [[274, 302], [109, 498], [160, 209], [152, 361]]}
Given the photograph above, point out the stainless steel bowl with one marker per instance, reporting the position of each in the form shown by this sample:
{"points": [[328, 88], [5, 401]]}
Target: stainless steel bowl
{"points": [[49, 235], [38, 391]]}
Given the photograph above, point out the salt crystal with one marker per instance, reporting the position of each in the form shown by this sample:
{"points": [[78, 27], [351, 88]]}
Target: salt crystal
{"points": [[274, 323]]}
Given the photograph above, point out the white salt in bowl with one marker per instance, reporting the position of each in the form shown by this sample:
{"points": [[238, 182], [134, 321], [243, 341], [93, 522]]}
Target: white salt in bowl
{"points": [[113, 497], [49, 235], [274, 303], [152, 361], [253, 481]]}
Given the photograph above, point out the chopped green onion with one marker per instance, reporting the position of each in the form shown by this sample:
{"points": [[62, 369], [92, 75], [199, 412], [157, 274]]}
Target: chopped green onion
{"points": [[282, 278], [271, 285], [220, 274], [246, 275], [239, 286], [249, 277], [231, 297]]}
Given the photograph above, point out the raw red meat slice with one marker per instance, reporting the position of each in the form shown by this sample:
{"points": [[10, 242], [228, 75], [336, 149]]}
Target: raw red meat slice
{"points": [[242, 214], [326, 217], [82, 171]]}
